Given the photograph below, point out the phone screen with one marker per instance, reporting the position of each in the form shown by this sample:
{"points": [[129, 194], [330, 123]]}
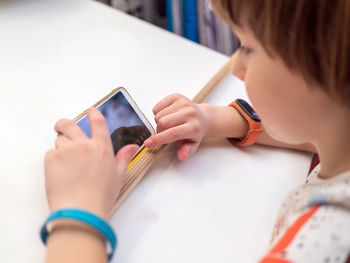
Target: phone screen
{"points": [[124, 125]]}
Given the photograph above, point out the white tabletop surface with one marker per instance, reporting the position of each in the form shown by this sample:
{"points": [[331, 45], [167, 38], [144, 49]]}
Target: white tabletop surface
{"points": [[58, 57]]}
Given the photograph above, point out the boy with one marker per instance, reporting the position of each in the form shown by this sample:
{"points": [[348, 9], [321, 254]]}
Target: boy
{"points": [[294, 61]]}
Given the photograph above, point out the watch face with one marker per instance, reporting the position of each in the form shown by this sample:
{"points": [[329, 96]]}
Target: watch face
{"points": [[248, 109]]}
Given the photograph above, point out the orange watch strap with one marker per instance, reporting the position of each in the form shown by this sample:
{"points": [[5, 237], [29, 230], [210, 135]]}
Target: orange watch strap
{"points": [[255, 128]]}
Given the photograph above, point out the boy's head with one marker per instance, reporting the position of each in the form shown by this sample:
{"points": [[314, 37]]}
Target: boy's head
{"points": [[312, 36], [294, 59]]}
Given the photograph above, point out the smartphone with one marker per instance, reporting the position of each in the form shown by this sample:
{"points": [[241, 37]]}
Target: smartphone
{"points": [[126, 123]]}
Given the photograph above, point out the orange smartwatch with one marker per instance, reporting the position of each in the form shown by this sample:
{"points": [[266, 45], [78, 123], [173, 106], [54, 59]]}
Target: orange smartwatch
{"points": [[255, 127]]}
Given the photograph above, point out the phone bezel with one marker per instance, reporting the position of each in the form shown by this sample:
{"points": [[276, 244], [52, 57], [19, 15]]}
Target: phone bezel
{"points": [[133, 104]]}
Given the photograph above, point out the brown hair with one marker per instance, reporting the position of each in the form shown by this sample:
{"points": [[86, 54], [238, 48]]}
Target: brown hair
{"points": [[310, 36]]}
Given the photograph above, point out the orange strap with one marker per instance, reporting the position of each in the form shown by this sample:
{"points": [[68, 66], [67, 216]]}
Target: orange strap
{"points": [[254, 128], [276, 253]]}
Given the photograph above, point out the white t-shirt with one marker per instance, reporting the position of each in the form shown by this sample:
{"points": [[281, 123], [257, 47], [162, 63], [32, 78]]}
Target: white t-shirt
{"points": [[313, 223]]}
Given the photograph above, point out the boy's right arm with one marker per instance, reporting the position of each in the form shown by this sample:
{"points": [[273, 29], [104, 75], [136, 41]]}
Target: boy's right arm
{"points": [[180, 120], [226, 121]]}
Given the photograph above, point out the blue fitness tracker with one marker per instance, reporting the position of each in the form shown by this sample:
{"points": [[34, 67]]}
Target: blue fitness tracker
{"points": [[86, 217]]}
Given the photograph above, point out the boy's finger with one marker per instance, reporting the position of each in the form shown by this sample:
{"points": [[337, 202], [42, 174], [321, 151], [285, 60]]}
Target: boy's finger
{"points": [[171, 120], [186, 149], [166, 102], [60, 141], [164, 112], [99, 129], [124, 157], [174, 134], [69, 129]]}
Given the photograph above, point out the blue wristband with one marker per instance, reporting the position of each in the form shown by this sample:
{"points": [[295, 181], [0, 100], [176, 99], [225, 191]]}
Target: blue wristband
{"points": [[85, 217]]}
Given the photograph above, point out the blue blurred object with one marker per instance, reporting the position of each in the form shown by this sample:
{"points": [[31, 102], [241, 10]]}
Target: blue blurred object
{"points": [[169, 15], [190, 19]]}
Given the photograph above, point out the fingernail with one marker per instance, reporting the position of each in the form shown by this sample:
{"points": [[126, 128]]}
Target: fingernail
{"points": [[148, 143]]}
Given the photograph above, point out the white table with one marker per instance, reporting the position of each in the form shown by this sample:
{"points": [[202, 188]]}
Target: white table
{"points": [[58, 57]]}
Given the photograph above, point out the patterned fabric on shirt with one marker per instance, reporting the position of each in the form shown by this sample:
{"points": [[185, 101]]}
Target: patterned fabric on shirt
{"points": [[313, 223]]}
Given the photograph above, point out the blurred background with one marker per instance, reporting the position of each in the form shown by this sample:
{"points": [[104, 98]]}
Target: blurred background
{"points": [[192, 19]]}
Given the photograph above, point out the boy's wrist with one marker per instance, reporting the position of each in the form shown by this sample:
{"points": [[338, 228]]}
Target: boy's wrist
{"points": [[224, 121], [206, 110], [68, 238], [74, 226], [92, 208], [93, 229]]}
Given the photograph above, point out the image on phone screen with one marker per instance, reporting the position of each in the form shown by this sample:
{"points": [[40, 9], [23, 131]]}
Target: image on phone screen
{"points": [[124, 125]]}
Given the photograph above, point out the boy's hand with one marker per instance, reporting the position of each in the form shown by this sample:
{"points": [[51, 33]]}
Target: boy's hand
{"points": [[179, 119], [82, 172]]}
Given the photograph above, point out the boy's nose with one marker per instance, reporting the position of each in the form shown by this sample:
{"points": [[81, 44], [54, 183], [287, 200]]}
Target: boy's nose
{"points": [[238, 68]]}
